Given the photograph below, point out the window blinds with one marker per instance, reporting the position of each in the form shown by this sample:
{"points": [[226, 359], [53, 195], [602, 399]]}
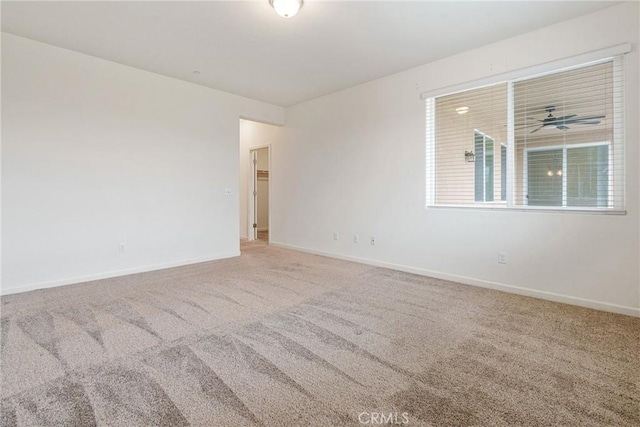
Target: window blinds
{"points": [[569, 151], [471, 122], [547, 142]]}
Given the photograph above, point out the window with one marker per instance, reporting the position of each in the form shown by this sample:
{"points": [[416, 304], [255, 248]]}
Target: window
{"points": [[503, 172], [483, 167], [576, 175], [552, 141], [477, 129]]}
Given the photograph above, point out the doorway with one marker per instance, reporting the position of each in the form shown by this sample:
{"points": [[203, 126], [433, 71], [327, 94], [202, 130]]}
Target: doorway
{"points": [[259, 195]]}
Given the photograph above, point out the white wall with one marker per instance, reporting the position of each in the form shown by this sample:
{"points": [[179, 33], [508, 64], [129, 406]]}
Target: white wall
{"points": [[367, 176], [96, 153], [252, 135]]}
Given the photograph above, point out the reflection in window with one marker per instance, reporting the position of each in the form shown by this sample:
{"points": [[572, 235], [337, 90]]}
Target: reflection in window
{"points": [[503, 172], [588, 176], [575, 176], [483, 167]]}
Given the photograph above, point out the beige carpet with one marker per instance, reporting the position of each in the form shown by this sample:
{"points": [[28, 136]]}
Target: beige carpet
{"points": [[280, 338]]}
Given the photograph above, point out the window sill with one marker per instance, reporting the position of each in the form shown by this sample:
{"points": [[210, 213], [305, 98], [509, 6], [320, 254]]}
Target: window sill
{"points": [[504, 208]]}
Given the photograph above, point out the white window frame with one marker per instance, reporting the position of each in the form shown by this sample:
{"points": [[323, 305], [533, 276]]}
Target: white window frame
{"points": [[614, 53]]}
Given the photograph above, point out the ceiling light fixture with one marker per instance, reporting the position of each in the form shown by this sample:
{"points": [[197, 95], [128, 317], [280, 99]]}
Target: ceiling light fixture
{"points": [[286, 8], [462, 110]]}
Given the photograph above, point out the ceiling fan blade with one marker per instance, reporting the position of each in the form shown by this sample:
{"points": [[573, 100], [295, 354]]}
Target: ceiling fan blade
{"points": [[563, 118], [561, 127], [579, 122], [536, 129], [591, 117], [526, 125]]}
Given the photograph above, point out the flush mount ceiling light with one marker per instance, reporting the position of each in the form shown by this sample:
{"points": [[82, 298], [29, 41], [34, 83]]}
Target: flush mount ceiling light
{"points": [[462, 110], [286, 8]]}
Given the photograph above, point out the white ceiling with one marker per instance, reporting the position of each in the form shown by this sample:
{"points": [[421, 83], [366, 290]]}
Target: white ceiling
{"points": [[243, 47]]}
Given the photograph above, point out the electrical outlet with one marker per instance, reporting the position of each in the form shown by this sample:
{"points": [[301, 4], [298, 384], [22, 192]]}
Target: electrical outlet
{"points": [[122, 247], [502, 257], [356, 238], [336, 235], [373, 240]]}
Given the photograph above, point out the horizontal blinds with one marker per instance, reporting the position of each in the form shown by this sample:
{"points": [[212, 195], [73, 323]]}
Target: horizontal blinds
{"points": [[565, 150], [568, 145], [471, 122]]}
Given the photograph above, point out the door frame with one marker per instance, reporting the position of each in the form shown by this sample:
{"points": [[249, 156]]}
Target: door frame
{"points": [[251, 200]]}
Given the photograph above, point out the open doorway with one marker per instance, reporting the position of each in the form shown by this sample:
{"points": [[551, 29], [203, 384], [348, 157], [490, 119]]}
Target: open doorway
{"points": [[259, 212], [257, 140]]}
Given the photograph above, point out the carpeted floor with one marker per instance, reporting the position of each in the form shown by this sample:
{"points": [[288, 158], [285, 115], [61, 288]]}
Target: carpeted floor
{"points": [[281, 338]]}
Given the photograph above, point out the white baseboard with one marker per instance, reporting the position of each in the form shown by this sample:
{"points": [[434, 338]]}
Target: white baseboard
{"points": [[115, 273], [551, 296]]}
